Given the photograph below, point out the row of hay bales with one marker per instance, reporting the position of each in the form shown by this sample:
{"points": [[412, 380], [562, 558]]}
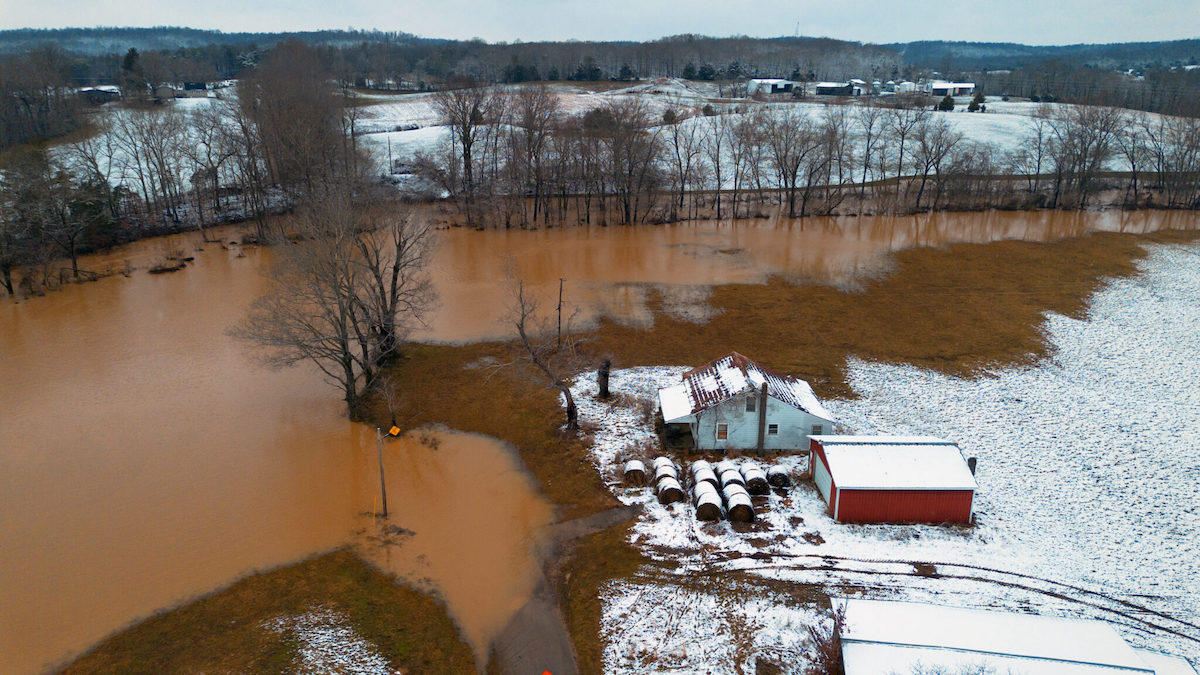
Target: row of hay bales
{"points": [[718, 491]]}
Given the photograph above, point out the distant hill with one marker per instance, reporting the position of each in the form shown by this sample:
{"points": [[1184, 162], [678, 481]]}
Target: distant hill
{"points": [[1008, 55], [92, 41]]}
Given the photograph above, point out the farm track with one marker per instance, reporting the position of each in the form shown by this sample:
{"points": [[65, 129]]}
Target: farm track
{"points": [[1130, 611]]}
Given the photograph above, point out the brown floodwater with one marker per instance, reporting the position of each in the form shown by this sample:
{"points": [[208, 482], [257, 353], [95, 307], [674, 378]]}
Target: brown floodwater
{"points": [[475, 521], [146, 457], [615, 271]]}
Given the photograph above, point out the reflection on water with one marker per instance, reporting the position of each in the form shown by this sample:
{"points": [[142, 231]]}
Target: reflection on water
{"points": [[145, 457], [475, 519]]}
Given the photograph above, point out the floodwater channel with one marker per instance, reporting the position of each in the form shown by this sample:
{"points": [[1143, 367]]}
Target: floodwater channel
{"points": [[146, 457]]}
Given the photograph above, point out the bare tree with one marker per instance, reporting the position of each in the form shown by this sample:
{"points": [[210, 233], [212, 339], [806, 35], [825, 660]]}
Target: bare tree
{"points": [[554, 360], [344, 294], [466, 107], [715, 146]]}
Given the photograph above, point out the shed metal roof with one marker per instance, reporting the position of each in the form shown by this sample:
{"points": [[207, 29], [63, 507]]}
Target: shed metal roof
{"points": [[733, 375], [895, 463], [884, 636]]}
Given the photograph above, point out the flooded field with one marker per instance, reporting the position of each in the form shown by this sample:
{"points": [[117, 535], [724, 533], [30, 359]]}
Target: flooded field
{"points": [[613, 271], [146, 457]]}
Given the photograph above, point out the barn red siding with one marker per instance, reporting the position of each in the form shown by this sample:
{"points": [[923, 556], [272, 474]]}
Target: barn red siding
{"points": [[903, 506]]}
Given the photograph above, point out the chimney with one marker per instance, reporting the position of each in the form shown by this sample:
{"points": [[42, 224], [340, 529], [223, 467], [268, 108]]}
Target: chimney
{"points": [[762, 417]]}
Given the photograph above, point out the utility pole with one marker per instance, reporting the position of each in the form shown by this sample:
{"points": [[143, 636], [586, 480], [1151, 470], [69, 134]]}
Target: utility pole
{"points": [[382, 484]]}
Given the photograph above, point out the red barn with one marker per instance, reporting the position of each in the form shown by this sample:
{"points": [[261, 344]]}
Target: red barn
{"points": [[893, 479]]}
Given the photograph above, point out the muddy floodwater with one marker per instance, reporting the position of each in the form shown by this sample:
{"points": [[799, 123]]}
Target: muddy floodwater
{"points": [[146, 457], [615, 271], [470, 521]]}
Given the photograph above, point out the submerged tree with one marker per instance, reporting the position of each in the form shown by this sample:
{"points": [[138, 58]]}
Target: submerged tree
{"points": [[345, 289]]}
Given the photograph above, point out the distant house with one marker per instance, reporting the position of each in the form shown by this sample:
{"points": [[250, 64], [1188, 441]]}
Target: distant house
{"points": [[769, 86], [166, 92], [833, 89], [942, 89], [195, 89], [893, 479], [735, 403], [882, 636], [906, 87], [859, 87], [100, 94]]}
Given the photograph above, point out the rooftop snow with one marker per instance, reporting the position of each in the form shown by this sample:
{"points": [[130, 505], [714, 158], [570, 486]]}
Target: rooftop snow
{"points": [[732, 375], [907, 632], [892, 462]]}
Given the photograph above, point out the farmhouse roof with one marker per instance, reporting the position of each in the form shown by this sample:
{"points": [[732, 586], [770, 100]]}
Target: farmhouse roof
{"points": [[895, 463], [882, 636], [731, 375], [831, 85], [770, 80]]}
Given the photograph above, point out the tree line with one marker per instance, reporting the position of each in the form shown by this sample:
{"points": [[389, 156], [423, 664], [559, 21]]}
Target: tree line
{"points": [[513, 157]]}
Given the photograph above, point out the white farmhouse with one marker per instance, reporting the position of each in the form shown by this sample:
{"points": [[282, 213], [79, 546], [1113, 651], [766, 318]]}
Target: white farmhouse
{"points": [[734, 403]]}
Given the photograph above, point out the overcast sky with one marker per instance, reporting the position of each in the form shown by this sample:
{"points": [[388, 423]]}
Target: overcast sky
{"points": [[1026, 21]]}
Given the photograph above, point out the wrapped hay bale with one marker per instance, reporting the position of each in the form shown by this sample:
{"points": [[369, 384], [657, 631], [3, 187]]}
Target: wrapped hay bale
{"points": [[732, 476], [663, 461], [704, 488], [700, 464], [778, 477], [723, 466], [738, 506], [708, 505], [665, 471], [705, 476], [756, 479], [635, 473], [669, 491]]}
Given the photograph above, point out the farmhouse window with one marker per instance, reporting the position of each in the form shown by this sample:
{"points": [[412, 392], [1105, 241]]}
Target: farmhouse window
{"points": [[818, 429], [722, 431], [750, 404], [772, 429]]}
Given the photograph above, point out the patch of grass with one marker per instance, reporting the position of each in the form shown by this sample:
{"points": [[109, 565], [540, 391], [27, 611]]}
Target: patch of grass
{"points": [[223, 632]]}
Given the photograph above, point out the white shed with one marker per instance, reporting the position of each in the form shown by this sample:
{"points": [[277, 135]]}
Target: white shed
{"points": [[769, 86], [941, 88], [736, 403], [881, 636]]}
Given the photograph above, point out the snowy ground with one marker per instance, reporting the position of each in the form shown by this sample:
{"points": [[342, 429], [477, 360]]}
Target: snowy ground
{"points": [[1089, 500], [328, 646]]}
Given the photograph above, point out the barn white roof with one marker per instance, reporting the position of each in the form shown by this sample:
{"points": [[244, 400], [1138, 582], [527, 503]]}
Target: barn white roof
{"points": [[732, 375], [895, 463], [884, 636]]}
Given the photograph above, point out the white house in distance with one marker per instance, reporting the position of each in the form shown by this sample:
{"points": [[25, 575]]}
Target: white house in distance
{"points": [[734, 403], [769, 86], [940, 88], [882, 636]]}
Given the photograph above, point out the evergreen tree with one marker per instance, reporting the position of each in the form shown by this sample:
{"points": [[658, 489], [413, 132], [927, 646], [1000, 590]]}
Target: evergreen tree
{"points": [[947, 104], [976, 103]]}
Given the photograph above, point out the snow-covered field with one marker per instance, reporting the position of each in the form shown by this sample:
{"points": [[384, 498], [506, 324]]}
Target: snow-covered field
{"points": [[1089, 499]]}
